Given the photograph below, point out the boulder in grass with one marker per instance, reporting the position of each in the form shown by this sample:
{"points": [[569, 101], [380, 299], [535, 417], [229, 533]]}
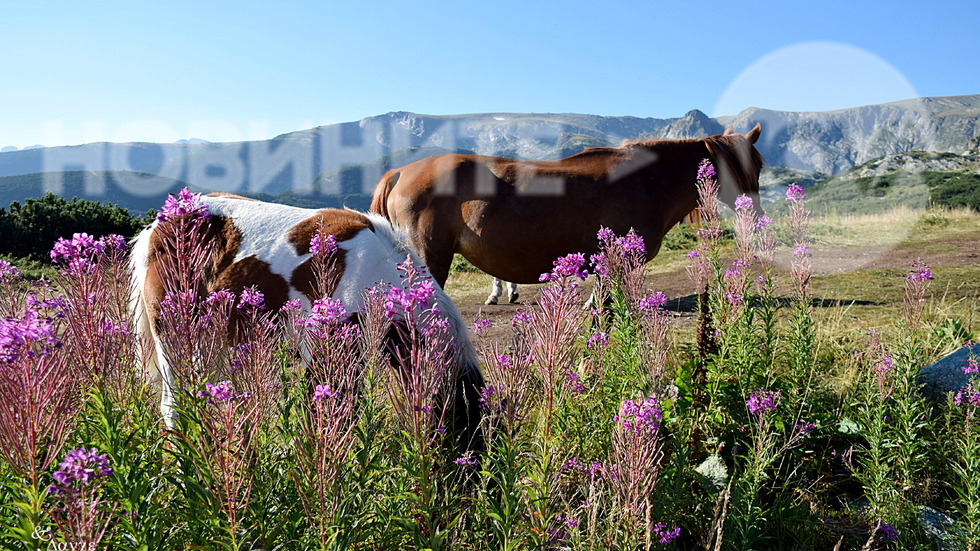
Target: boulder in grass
{"points": [[947, 375]]}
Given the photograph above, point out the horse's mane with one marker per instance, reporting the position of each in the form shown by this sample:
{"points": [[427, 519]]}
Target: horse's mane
{"points": [[732, 154]]}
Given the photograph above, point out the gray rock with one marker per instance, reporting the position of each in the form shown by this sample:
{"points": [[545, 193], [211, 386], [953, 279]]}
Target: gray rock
{"points": [[947, 374], [714, 473], [940, 528]]}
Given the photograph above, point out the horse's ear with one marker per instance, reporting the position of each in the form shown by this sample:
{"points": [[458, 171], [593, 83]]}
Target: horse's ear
{"points": [[753, 135], [729, 130]]}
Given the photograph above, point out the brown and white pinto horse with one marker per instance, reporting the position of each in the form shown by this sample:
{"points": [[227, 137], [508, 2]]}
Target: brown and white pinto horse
{"points": [[512, 218], [268, 245]]}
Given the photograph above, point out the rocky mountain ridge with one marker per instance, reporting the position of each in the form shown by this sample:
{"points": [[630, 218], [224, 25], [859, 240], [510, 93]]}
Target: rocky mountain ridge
{"points": [[349, 158]]}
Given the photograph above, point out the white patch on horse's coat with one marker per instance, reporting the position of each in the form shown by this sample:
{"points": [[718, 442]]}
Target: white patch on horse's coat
{"points": [[371, 258], [265, 230]]}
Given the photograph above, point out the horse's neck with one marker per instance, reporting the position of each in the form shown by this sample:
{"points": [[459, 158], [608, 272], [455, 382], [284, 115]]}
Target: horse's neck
{"points": [[673, 187]]}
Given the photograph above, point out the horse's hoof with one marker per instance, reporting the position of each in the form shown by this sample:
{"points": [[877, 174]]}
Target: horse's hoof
{"points": [[513, 298], [491, 301]]}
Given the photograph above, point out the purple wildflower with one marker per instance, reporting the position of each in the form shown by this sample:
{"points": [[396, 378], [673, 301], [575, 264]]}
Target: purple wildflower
{"points": [[110, 327], [78, 253], [968, 396], [600, 265], [763, 222], [323, 246], [971, 365], [598, 340], [401, 300], [664, 535], [114, 243], [218, 297], [221, 392], [8, 271], [888, 530], [486, 394], [743, 202], [82, 466], [327, 311], [250, 299], [632, 244], [567, 266], [324, 392], [639, 417], [184, 203], [706, 170], [885, 364], [482, 325], [762, 401], [801, 251], [466, 460], [920, 272], [574, 382], [16, 335], [651, 303], [696, 253], [795, 193], [606, 234], [805, 428], [521, 317], [735, 299]]}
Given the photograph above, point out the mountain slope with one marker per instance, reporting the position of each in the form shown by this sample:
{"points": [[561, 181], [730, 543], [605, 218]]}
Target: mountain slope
{"points": [[348, 159]]}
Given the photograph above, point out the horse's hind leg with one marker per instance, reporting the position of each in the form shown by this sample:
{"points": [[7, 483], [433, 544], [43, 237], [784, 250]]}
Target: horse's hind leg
{"points": [[496, 289], [512, 294]]}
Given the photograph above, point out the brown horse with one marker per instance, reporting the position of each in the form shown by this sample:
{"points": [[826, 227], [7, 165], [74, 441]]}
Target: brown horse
{"points": [[512, 218]]}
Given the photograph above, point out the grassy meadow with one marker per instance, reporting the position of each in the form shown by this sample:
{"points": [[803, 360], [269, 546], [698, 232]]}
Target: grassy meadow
{"points": [[754, 387]]}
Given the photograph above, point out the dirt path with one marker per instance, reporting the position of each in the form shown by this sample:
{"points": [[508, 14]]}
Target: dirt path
{"points": [[961, 250]]}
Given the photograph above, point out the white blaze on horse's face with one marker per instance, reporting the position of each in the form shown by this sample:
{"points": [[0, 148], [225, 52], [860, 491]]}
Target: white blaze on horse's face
{"points": [[268, 246]]}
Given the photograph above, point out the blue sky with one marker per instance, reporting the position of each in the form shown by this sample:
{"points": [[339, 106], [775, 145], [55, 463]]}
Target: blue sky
{"points": [[74, 72]]}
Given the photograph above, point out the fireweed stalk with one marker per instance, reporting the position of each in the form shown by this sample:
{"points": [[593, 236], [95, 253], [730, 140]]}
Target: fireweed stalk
{"points": [[553, 327], [424, 359], [964, 425], [803, 330], [637, 452], [36, 407], [894, 417], [183, 252], [767, 445], [82, 515], [896, 413], [620, 264], [13, 289], [325, 434], [508, 401], [226, 451], [705, 270], [736, 330], [322, 448], [93, 278], [655, 338]]}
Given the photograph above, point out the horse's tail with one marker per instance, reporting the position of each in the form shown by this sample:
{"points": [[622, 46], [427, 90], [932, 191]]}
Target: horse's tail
{"points": [[379, 199], [139, 264]]}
